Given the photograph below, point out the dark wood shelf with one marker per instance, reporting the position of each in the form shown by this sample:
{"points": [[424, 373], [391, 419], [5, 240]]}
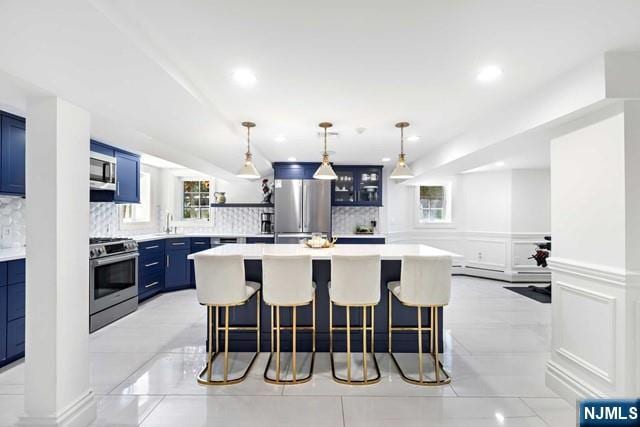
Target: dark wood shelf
{"points": [[241, 205]]}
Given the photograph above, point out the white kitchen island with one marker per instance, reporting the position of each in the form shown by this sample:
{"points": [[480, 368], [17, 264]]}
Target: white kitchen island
{"points": [[391, 257]]}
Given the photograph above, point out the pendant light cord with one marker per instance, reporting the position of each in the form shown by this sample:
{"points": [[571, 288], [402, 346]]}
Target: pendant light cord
{"points": [[248, 140], [402, 141]]}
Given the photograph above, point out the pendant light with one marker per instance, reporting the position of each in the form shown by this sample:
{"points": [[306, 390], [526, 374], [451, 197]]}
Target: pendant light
{"points": [[248, 170], [325, 171], [401, 171]]}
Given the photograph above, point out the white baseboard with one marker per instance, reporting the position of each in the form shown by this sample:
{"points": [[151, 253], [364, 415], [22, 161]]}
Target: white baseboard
{"points": [[512, 277], [79, 414], [569, 387]]}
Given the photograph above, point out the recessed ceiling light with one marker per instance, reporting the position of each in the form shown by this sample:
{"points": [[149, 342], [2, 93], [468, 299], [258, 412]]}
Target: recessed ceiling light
{"points": [[489, 73], [386, 159], [291, 159], [280, 138], [413, 138], [244, 77], [499, 164]]}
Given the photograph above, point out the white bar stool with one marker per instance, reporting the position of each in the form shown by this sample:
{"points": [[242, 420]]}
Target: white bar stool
{"points": [[355, 282], [287, 281], [424, 282], [220, 283]]}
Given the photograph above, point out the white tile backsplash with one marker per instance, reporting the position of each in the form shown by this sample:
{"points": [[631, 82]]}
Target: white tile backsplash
{"points": [[12, 222], [104, 221], [346, 218]]}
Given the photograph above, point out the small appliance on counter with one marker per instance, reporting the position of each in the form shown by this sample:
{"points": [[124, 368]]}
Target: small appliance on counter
{"points": [[266, 222]]}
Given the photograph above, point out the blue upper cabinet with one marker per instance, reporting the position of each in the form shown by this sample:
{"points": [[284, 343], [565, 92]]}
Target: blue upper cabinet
{"points": [[357, 186], [302, 170], [127, 178], [12, 164]]}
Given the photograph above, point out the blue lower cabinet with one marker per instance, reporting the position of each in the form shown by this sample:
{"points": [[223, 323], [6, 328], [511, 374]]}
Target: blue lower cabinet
{"points": [[15, 301], [12, 305], [149, 284], [260, 240], [3, 324], [177, 271], [361, 241], [197, 244], [15, 339]]}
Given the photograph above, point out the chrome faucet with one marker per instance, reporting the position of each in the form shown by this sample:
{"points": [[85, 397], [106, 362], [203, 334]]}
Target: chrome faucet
{"points": [[169, 219]]}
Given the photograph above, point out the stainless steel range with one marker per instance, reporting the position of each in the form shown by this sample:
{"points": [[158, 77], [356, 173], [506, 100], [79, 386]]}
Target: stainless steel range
{"points": [[113, 280]]}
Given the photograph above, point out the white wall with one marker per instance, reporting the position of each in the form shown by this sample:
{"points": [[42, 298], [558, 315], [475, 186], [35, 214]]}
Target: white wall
{"points": [[242, 191], [498, 217]]}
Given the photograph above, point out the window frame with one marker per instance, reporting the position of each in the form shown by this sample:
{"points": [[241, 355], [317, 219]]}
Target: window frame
{"points": [[448, 208], [200, 207]]}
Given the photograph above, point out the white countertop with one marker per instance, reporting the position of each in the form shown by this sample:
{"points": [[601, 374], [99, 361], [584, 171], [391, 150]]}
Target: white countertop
{"points": [[158, 236], [10, 254], [360, 236], [386, 252]]}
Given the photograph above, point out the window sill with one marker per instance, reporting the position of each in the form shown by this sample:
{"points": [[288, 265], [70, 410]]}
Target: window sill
{"points": [[435, 225]]}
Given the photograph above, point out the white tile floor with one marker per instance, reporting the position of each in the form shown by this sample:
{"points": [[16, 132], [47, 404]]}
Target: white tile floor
{"points": [[143, 370]]}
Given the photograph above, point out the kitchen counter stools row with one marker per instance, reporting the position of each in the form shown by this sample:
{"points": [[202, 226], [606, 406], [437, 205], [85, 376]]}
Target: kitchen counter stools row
{"points": [[288, 282]]}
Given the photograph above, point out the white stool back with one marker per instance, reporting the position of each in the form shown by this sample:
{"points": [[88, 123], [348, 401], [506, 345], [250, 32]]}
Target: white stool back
{"points": [[220, 279], [287, 279], [355, 279], [425, 280]]}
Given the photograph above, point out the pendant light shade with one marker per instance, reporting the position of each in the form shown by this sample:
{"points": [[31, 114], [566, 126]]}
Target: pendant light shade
{"points": [[325, 171], [248, 170], [402, 170]]}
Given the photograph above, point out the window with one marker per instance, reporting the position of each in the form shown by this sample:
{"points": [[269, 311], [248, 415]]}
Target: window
{"points": [[434, 204], [139, 212], [195, 202]]}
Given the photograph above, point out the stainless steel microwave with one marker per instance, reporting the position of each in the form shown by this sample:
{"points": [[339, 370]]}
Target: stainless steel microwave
{"points": [[102, 172]]}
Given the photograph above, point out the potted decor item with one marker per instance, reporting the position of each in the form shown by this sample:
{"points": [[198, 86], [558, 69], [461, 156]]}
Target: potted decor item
{"points": [[220, 196], [267, 191]]}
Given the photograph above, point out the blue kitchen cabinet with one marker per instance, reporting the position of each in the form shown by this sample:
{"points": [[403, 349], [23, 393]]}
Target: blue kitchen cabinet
{"points": [[150, 268], [300, 170], [3, 324], [361, 241], [12, 162], [177, 270], [12, 310], [265, 239], [197, 244], [357, 186], [127, 178]]}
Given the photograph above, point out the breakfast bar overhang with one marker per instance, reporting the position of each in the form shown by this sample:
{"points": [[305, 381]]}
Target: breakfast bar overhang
{"points": [[391, 262]]}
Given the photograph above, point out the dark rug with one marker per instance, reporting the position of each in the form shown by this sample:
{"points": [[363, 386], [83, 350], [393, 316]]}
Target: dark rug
{"points": [[530, 293]]}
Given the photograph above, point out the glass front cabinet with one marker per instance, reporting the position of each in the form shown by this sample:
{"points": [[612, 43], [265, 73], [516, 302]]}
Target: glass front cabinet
{"points": [[357, 186]]}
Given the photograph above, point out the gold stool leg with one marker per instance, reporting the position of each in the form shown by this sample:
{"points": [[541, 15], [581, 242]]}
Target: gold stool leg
{"points": [[420, 366], [217, 329], [293, 357], [210, 352], [258, 309], [313, 323], [330, 327], [348, 344], [437, 353], [389, 302], [271, 330], [364, 342], [277, 343], [373, 330], [226, 343]]}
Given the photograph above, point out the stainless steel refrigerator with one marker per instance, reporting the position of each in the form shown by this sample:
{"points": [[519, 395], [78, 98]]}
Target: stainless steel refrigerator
{"points": [[302, 207]]}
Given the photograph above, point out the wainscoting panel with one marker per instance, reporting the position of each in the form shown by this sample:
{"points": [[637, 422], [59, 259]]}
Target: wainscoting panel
{"points": [[486, 253], [586, 329]]}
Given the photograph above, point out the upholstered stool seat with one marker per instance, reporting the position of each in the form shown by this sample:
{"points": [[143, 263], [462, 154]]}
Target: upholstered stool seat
{"points": [[287, 282], [425, 282], [221, 283], [355, 282]]}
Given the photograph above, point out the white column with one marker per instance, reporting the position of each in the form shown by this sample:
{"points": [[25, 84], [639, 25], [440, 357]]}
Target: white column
{"points": [[595, 220], [57, 389]]}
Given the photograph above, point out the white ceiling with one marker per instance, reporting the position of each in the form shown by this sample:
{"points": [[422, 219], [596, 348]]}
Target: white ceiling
{"points": [[164, 67]]}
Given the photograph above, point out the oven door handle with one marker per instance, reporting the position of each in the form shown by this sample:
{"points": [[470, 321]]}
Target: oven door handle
{"points": [[114, 259]]}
